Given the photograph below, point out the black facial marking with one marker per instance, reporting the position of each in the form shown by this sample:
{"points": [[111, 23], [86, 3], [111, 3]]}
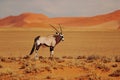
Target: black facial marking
{"points": [[58, 38]]}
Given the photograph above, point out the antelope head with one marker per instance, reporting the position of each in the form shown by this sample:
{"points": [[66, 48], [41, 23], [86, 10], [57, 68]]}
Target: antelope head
{"points": [[60, 33]]}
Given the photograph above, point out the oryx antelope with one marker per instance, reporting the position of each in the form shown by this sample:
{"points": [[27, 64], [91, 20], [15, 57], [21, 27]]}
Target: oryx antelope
{"points": [[49, 41]]}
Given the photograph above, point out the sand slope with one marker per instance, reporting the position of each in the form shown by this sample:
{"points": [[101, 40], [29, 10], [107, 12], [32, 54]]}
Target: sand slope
{"points": [[40, 20]]}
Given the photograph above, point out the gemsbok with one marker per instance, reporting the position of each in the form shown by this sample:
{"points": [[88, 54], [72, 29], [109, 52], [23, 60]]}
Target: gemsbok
{"points": [[49, 41]]}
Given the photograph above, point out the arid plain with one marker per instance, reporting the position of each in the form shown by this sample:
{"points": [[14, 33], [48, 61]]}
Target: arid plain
{"points": [[19, 42], [84, 55]]}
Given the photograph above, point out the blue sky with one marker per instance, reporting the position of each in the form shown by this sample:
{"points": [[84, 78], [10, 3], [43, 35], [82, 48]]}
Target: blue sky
{"points": [[58, 8]]}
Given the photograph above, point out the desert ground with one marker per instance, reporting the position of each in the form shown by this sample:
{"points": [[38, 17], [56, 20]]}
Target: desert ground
{"points": [[84, 55]]}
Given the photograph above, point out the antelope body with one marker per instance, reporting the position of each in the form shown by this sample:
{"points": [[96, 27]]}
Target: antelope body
{"points": [[49, 41]]}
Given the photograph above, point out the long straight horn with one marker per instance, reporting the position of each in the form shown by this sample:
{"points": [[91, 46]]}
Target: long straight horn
{"points": [[60, 28], [54, 27]]}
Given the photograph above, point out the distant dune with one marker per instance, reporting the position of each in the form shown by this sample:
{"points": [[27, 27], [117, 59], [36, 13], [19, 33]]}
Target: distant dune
{"points": [[23, 20], [111, 20]]}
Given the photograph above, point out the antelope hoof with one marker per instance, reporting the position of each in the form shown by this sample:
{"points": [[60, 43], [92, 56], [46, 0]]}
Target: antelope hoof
{"points": [[36, 58]]}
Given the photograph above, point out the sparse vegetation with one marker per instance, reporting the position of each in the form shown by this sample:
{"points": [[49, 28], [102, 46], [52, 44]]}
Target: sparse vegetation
{"points": [[81, 53], [102, 67], [81, 57], [116, 73], [48, 77], [67, 57], [114, 65], [93, 57], [58, 60], [31, 69], [117, 58], [6, 72], [105, 59], [28, 66]]}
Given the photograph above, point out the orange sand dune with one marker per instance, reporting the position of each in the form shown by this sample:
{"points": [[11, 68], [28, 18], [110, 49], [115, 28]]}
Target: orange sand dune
{"points": [[87, 21], [26, 19], [40, 20]]}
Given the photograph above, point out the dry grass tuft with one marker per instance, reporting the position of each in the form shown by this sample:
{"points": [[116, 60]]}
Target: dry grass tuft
{"points": [[116, 73], [41, 57], [90, 76], [114, 65], [8, 59], [105, 59], [102, 67], [48, 68], [117, 58], [64, 57], [6, 72], [67, 57], [81, 57], [58, 60], [32, 69], [93, 57], [24, 65], [62, 78], [49, 77], [26, 57]]}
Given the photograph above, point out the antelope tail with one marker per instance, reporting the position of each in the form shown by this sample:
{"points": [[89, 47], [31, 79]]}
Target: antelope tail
{"points": [[34, 45]]}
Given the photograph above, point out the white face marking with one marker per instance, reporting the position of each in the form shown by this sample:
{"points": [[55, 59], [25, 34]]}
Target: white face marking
{"points": [[62, 36], [62, 39]]}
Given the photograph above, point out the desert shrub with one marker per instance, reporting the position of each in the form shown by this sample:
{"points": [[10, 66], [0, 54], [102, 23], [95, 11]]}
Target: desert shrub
{"points": [[24, 65], [17, 58], [64, 57], [31, 69], [70, 64], [55, 68], [62, 78], [48, 77], [117, 58], [60, 67], [67, 57], [26, 57], [94, 77], [81, 57], [105, 59], [12, 58], [58, 60], [28, 70], [2, 59], [102, 67], [114, 65], [89, 76], [6, 72], [116, 73], [41, 57], [44, 60], [93, 57], [7, 59], [89, 61], [48, 68]]}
